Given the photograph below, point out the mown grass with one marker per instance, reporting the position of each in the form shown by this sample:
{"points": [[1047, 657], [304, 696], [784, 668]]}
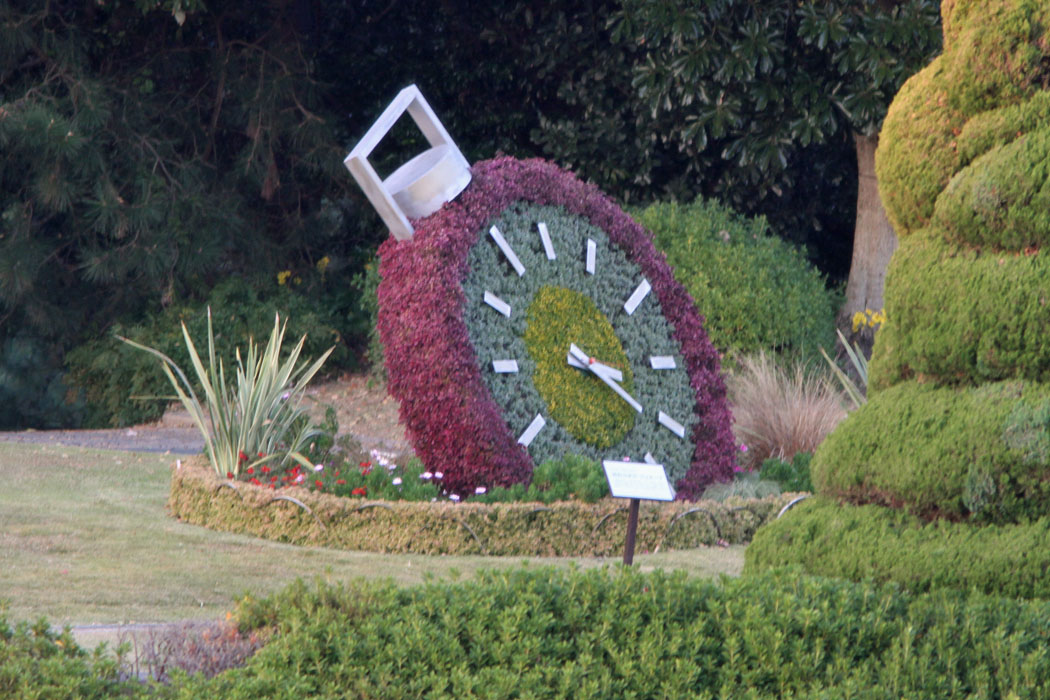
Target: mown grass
{"points": [[84, 538]]}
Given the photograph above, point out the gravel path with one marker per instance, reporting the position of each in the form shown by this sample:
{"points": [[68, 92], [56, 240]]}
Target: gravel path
{"points": [[365, 412]]}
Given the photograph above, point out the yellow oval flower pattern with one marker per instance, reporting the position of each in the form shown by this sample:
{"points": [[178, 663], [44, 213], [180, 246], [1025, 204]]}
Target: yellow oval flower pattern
{"points": [[588, 409]]}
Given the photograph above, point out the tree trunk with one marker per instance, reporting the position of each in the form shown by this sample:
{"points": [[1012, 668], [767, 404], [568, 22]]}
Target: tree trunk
{"points": [[873, 243]]}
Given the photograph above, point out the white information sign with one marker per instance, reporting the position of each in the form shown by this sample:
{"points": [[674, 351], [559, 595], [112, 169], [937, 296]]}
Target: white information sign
{"points": [[638, 480]]}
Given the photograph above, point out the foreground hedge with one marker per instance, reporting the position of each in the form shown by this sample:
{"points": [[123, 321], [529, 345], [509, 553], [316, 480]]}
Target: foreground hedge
{"points": [[546, 633], [568, 528], [944, 452], [623, 634], [886, 545]]}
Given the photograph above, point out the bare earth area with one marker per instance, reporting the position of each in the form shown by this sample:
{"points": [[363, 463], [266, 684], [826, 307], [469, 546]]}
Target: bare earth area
{"points": [[366, 413]]}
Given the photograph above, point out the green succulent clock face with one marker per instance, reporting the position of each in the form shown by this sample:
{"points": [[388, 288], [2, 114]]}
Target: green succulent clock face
{"points": [[572, 344]]}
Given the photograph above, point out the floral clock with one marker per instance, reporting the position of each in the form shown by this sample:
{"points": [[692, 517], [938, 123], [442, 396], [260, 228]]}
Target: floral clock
{"points": [[531, 318]]}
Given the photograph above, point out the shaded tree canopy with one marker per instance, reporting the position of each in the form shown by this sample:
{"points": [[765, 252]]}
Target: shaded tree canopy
{"points": [[149, 150]]}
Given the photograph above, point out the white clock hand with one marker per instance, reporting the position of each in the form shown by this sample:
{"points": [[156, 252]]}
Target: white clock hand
{"points": [[603, 372]]}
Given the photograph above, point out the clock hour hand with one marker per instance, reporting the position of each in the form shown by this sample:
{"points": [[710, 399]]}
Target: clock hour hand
{"points": [[610, 376]]}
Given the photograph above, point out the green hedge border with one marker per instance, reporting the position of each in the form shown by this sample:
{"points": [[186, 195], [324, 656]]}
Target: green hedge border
{"points": [[569, 528]]}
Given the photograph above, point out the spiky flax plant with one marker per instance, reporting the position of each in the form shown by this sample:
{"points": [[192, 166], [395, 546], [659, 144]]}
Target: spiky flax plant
{"points": [[258, 418]]}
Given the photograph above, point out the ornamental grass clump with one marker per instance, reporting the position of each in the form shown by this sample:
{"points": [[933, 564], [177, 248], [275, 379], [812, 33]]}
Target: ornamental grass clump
{"points": [[779, 412], [259, 414]]}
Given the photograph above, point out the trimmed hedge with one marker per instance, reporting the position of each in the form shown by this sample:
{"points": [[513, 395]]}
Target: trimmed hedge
{"points": [[1002, 199], [873, 543], [994, 56], [755, 291], [568, 528], [542, 633], [959, 315], [943, 452], [452, 420]]}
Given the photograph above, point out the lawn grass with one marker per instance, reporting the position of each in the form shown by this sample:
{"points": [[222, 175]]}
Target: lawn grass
{"points": [[85, 539]]}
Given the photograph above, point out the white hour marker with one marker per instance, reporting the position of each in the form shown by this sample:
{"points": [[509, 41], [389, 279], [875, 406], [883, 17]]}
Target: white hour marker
{"points": [[532, 431], [662, 361], [505, 366], [671, 424], [507, 250], [497, 303], [545, 236], [592, 253], [640, 292]]}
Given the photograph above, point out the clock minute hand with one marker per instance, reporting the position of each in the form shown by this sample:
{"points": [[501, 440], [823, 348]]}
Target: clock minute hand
{"points": [[603, 372]]}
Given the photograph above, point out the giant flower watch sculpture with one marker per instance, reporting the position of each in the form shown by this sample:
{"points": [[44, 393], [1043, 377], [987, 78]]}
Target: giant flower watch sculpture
{"points": [[529, 318]]}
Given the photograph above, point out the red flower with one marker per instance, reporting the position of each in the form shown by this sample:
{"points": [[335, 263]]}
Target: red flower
{"points": [[359, 491], [251, 470], [320, 484], [265, 469], [241, 457], [341, 482], [229, 475], [261, 455]]}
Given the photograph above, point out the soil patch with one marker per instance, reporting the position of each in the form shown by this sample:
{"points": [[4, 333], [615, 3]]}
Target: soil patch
{"points": [[364, 410]]}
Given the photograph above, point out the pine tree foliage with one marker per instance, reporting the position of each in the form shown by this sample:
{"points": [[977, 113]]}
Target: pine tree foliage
{"points": [[147, 151]]}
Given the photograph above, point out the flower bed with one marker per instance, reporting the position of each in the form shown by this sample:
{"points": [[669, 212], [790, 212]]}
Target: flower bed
{"points": [[568, 528]]}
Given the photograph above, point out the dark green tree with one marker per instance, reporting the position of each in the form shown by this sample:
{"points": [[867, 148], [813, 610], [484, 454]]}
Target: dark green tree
{"points": [[147, 151], [748, 88]]}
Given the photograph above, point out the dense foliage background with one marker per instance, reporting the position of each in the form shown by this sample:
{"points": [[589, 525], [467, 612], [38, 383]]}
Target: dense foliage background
{"points": [[150, 150]]}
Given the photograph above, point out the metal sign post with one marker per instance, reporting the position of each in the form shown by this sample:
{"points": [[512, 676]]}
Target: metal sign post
{"points": [[637, 481]]}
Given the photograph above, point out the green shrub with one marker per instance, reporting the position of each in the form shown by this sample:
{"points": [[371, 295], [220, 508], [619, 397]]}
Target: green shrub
{"points": [[122, 386], [745, 485], [1002, 199], [792, 475], [943, 452], [888, 545], [571, 477], [548, 633], [365, 284], [962, 316], [38, 662], [755, 291]]}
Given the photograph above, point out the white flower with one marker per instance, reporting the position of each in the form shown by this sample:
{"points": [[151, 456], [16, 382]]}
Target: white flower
{"points": [[318, 467], [454, 498], [480, 490], [397, 481], [426, 476], [299, 479], [286, 395], [438, 475]]}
